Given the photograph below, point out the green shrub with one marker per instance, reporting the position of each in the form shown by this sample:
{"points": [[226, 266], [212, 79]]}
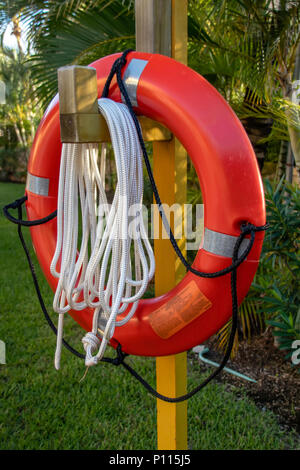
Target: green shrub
{"points": [[13, 163], [277, 279]]}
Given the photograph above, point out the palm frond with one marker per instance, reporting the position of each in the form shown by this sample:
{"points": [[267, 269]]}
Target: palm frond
{"points": [[80, 38], [251, 322]]}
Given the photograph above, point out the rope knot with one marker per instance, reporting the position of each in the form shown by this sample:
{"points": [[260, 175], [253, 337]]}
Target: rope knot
{"points": [[90, 343], [120, 356], [90, 340], [247, 228], [250, 228]]}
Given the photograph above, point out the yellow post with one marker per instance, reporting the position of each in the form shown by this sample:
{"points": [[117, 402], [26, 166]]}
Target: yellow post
{"points": [[161, 27], [170, 159]]}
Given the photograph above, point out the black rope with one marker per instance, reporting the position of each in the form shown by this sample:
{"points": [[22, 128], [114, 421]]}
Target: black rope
{"points": [[246, 229], [27, 223]]}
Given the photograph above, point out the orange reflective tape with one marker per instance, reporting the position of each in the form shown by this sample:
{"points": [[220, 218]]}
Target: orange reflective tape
{"points": [[179, 311]]}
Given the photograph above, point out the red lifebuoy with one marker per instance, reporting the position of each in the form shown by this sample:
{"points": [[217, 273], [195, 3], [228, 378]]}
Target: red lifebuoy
{"points": [[215, 140]]}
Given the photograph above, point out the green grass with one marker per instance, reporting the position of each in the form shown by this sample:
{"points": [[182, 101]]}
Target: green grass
{"points": [[42, 408]]}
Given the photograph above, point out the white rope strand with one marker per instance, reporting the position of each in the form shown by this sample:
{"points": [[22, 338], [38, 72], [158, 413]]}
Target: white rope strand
{"points": [[105, 280]]}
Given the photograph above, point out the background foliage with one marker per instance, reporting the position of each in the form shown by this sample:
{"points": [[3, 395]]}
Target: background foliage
{"points": [[277, 280], [19, 115]]}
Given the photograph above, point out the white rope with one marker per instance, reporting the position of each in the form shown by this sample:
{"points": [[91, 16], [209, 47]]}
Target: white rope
{"points": [[105, 279]]}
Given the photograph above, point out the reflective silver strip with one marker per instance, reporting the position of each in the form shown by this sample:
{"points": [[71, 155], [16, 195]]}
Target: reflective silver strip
{"points": [[131, 78], [221, 244], [37, 185]]}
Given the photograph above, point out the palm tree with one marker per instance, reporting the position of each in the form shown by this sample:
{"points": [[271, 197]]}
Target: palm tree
{"points": [[19, 114], [71, 32], [17, 31], [20, 109]]}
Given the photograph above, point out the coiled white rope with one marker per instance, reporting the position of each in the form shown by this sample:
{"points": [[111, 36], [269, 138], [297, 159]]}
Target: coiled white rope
{"points": [[103, 280]]}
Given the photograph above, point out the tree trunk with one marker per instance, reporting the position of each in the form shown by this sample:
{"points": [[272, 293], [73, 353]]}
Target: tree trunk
{"points": [[289, 165], [281, 164], [18, 134], [290, 94], [257, 129]]}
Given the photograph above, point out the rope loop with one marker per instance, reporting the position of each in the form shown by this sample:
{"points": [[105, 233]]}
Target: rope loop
{"points": [[249, 228], [26, 223]]}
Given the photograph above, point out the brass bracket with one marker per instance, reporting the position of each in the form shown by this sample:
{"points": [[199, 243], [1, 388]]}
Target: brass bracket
{"points": [[80, 120]]}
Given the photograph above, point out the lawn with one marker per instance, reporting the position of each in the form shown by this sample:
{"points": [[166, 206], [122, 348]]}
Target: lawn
{"points": [[42, 408]]}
